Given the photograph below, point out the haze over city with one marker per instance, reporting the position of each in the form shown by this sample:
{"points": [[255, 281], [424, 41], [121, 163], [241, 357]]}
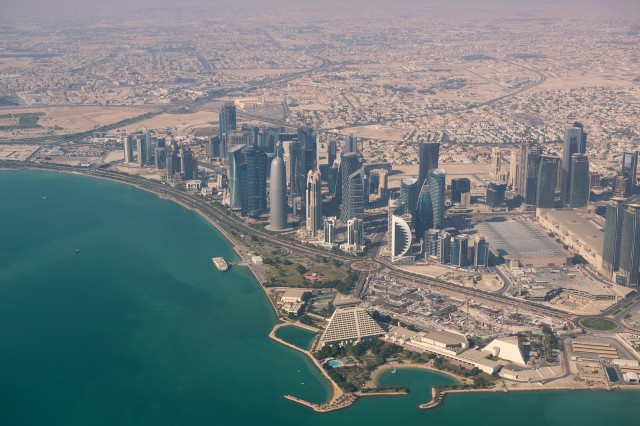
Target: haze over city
{"points": [[241, 212]]}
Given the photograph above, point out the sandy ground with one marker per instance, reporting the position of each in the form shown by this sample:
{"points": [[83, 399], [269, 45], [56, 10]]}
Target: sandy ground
{"points": [[17, 152], [184, 123]]}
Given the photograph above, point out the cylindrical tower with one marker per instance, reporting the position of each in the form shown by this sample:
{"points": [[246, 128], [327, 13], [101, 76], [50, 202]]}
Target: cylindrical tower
{"points": [[278, 195]]}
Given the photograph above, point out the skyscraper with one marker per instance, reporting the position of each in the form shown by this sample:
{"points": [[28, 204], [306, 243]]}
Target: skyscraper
{"points": [[278, 195], [513, 170], [423, 218], [128, 149], [353, 197], [394, 208], [141, 151], [495, 193], [400, 238], [481, 252], [234, 167], [547, 179], [496, 162], [160, 155], [458, 187], [313, 203], [613, 235], [351, 144], [330, 230], [522, 168], [437, 189], [253, 192], [383, 184], [147, 144], [531, 177], [459, 250], [575, 142], [630, 246], [349, 163], [429, 153], [188, 163], [306, 156], [227, 121], [629, 169], [579, 181], [409, 195], [355, 233]]}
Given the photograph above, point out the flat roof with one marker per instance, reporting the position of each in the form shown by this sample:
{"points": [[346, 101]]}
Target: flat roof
{"points": [[446, 337], [520, 240], [581, 226]]}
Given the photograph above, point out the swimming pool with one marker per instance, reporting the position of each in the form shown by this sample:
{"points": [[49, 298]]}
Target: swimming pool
{"points": [[334, 363]]}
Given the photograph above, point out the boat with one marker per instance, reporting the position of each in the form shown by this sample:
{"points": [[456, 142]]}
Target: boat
{"points": [[77, 250], [44, 198], [220, 263]]}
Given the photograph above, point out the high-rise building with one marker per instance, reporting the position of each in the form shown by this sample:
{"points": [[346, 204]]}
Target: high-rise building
{"points": [[253, 193], [429, 153], [351, 144], [547, 179], [459, 250], [314, 203], [394, 208], [234, 167], [522, 168], [355, 234], [496, 162], [621, 187], [278, 195], [383, 184], [579, 181], [423, 218], [531, 177], [306, 156], [437, 189], [400, 238], [128, 149], [513, 170], [214, 147], [227, 121], [495, 193], [173, 162], [349, 163], [481, 252], [353, 197], [630, 246], [630, 169], [575, 142], [409, 195], [458, 187], [160, 155], [188, 163], [147, 144], [613, 236], [330, 230], [141, 151]]}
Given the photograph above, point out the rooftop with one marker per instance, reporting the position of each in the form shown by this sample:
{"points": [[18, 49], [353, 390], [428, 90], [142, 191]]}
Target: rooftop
{"points": [[520, 240]]}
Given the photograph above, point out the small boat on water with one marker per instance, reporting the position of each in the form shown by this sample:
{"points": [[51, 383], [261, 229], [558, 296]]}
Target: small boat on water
{"points": [[220, 263], [77, 251], [44, 198]]}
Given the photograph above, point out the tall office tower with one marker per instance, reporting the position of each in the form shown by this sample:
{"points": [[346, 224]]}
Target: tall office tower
{"points": [[458, 187], [547, 179], [214, 147], [314, 203], [173, 161], [322, 156], [400, 237], [429, 153], [430, 243], [349, 163], [160, 155], [330, 230], [147, 144], [579, 181], [128, 149], [141, 151], [423, 218], [496, 162], [333, 173], [613, 236], [523, 169], [481, 252], [394, 208], [409, 195], [459, 250], [234, 166], [437, 188], [351, 144], [383, 185], [253, 194], [630, 169], [227, 119], [332, 151], [188, 163], [495, 193], [277, 195], [531, 177], [444, 247], [575, 142], [292, 160], [353, 197], [513, 170], [307, 138], [355, 233], [621, 187], [630, 246]]}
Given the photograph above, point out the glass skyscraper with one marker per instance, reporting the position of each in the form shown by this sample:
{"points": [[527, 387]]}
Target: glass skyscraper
{"points": [[409, 195], [613, 235], [575, 142], [579, 181], [429, 153], [424, 213], [630, 245], [547, 179], [437, 184]]}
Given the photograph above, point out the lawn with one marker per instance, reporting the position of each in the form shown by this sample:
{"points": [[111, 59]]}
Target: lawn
{"points": [[600, 324]]}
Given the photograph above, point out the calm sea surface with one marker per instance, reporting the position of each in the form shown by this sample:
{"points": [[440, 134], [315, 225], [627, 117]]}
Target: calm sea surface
{"points": [[139, 328]]}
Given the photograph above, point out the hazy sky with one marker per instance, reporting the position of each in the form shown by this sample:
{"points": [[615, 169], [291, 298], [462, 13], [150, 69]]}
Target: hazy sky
{"points": [[460, 8]]}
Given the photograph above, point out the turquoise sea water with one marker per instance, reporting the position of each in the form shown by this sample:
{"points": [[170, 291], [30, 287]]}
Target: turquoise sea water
{"points": [[297, 336], [139, 328]]}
